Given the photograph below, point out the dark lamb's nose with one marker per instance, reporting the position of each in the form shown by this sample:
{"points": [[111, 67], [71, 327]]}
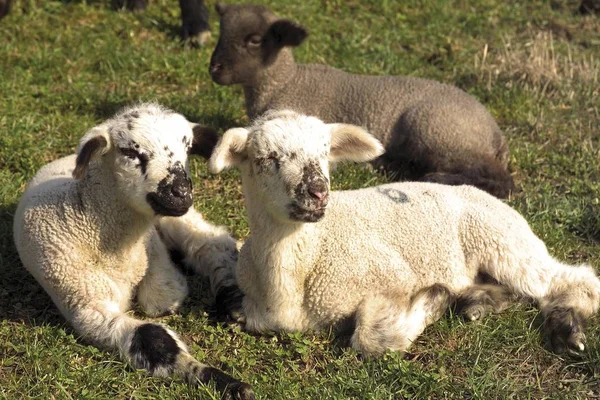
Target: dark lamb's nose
{"points": [[216, 67]]}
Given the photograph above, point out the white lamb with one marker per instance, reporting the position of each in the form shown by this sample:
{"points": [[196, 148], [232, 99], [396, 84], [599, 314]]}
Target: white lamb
{"points": [[390, 259], [93, 229]]}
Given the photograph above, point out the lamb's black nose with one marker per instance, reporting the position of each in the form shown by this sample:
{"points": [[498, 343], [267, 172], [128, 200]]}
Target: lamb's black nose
{"points": [[179, 191]]}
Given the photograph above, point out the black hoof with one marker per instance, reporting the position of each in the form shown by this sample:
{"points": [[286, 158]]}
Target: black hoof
{"points": [[241, 391], [564, 327], [228, 304]]}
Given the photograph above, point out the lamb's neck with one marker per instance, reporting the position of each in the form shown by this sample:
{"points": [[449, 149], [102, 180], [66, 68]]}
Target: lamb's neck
{"points": [[270, 81], [287, 247], [118, 224]]}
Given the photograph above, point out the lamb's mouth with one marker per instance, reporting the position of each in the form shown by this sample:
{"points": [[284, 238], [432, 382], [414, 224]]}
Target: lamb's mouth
{"points": [[168, 210], [220, 78], [299, 213]]}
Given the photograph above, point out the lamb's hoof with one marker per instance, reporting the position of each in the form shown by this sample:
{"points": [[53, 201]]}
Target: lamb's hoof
{"points": [[195, 40], [228, 304], [564, 327], [473, 313], [239, 391]]}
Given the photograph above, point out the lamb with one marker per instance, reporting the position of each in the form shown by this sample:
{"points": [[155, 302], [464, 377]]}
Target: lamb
{"points": [[94, 229], [194, 17], [432, 131], [382, 263]]}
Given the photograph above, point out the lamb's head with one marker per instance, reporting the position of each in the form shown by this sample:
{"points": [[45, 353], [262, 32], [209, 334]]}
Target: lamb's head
{"points": [[251, 38], [284, 158], [145, 148]]}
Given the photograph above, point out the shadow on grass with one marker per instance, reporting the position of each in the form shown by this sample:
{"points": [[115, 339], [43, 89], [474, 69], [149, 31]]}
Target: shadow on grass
{"points": [[172, 31], [22, 299]]}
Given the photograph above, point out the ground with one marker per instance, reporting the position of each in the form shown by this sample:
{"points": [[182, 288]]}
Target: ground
{"points": [[67, 65]]}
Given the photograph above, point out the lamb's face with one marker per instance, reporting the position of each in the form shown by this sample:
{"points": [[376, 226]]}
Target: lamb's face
{"points": [[285, 158], [288, 161], [250, 39], [146, 148], [150, 161]]}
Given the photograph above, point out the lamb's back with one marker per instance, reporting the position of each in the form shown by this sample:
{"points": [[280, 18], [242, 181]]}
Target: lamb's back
{"points": [[380, 102], [400, 235]]}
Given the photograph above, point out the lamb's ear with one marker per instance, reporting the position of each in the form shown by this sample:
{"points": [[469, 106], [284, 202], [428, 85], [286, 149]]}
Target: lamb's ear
{"points": [[205, 140], [221, 8], [92, 145], [283, 33], [352, 143], [230, 151]]}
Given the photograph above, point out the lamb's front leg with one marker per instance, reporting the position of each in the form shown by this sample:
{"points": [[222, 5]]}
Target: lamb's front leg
{"points": [[210, 251], [163, 288]]}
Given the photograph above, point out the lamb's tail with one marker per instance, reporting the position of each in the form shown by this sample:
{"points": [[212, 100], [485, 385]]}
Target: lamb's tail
{"points": [[491, 177], [392, 321], [153, 347]]}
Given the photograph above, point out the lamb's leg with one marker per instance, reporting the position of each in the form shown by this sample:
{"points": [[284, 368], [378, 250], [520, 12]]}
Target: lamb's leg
{"points": [[567, 295], [480, 299], [149, 346], [392, 321], [194, 22], [163, 288], [131, 5], [210, 251]]}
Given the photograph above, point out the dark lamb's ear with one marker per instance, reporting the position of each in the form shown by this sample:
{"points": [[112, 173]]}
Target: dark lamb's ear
{"points": [[205, 140], [87, 152], [284, 33]]}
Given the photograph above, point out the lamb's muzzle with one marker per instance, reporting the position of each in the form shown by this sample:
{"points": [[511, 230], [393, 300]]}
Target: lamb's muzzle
{"points": [[173, 196]]}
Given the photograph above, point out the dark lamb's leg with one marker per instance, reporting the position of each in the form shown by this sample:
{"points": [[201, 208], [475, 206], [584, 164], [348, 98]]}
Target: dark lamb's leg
{"points": [[194, 22], [131, 5]]}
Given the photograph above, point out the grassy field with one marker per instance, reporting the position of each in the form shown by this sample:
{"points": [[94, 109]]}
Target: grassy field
{"points": [[67, 65]]}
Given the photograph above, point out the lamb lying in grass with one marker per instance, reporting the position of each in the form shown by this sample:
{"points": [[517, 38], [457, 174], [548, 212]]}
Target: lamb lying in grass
{"points": [[431, 131], [390, 259], [93, 229]]}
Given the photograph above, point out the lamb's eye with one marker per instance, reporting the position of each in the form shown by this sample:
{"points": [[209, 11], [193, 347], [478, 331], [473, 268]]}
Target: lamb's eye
{"points": [[254, 41], [274, 160], [130, 153]]}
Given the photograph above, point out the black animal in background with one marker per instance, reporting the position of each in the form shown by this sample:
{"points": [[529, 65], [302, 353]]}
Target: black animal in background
{"points": [[194, 16]]}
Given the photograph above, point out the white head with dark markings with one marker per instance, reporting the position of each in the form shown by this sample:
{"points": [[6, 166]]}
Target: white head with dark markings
{"points": [[146, 149], [284, 157]]}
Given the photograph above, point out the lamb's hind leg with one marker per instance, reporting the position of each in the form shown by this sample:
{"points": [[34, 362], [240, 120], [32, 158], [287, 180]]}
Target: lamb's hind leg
{"points": [[567, 295], [392, 321], [481, 299]]}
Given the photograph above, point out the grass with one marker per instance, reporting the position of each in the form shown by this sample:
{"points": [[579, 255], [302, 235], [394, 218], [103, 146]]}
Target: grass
{"points": [[67, 65]]}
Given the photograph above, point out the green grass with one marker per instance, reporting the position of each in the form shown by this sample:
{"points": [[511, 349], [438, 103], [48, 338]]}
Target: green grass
{"points": [[65, 66]]}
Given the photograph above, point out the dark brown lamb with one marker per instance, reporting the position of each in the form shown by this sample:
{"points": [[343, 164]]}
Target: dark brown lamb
{"points": [[432, 131]]}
